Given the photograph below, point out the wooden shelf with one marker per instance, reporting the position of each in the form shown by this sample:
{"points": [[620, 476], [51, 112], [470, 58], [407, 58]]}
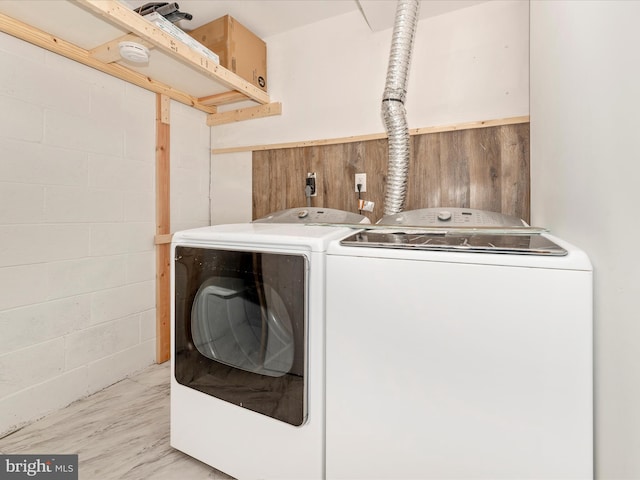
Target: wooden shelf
{"points": [[88, 31]]}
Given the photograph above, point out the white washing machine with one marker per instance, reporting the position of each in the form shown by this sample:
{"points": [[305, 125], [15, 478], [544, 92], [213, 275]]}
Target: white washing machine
{"points": [[458, 353], [247, 387]]}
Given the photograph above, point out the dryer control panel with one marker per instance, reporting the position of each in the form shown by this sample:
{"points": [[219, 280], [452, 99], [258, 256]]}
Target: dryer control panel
{"points": [[313, 215]]}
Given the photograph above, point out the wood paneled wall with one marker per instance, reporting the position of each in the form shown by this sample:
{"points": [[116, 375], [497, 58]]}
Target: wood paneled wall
{"points": [[483, 168]]}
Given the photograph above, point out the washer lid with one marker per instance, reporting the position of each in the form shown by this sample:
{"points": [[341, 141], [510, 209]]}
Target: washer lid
{"points": [[534, 244]]}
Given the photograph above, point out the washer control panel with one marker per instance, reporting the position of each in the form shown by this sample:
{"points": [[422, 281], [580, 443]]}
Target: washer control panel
{"points": [[444, 215], [456, 217]]}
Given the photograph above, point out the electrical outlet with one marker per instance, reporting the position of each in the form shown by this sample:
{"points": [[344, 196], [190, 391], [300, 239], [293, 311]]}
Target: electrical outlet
{"points": [[361, 179], [311, 181]]}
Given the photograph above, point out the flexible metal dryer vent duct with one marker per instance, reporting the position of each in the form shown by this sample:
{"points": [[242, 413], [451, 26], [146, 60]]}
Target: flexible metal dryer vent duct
{"points": [[393, 111]]}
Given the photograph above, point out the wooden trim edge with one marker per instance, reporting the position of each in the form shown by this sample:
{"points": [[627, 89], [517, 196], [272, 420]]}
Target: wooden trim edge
{"points": [[374, 136]]}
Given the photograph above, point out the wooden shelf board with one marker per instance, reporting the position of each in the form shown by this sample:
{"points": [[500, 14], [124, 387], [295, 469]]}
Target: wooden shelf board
{"points": [[117, 13], [88, 31], [42, 39]]}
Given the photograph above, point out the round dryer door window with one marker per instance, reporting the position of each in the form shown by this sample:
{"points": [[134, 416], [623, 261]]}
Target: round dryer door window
{"points": [[243, 326]]}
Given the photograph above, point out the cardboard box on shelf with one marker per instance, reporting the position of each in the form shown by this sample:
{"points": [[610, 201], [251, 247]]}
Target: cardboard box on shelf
{"points": [[239, 49], [164, 24]]}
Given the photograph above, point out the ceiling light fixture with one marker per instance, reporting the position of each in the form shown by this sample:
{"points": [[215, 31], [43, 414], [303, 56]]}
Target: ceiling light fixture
{"points": [[134, 52]]}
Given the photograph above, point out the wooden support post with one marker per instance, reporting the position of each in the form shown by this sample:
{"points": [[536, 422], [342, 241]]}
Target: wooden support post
{"points": [[163, 227]]}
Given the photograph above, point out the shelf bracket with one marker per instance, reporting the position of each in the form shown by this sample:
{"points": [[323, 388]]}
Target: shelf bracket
{"points": [[241, 114], [223, 98]]}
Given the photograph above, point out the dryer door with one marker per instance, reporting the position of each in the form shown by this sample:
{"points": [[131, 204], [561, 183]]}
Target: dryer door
{"points": [[240, 322]]}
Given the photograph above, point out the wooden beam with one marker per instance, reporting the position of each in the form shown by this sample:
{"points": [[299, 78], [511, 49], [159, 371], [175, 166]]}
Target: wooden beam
{"points": [[241, 114], [44, 40], [110, 52], [163, 228], [117, 13], [223, 98], [162, 239], [373, 136]]}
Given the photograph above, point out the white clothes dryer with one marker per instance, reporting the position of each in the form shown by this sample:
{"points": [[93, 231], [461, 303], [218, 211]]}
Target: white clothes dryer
{"points": [[463, 352], [247, 386]]}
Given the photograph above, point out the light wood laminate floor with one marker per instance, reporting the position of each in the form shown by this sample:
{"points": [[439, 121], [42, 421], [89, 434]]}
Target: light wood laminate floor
{"points": [[121, 432]]}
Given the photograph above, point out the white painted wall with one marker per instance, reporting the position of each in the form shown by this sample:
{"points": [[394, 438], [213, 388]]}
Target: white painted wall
{"points": [[231, 188], [585, 93], [468, 65], [77, 220], [190, 152]]}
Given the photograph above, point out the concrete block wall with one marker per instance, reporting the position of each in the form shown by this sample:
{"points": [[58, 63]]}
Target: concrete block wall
{"points": [[77, 221]]}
